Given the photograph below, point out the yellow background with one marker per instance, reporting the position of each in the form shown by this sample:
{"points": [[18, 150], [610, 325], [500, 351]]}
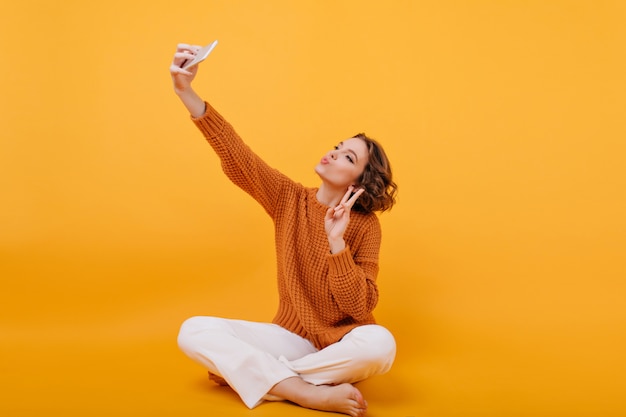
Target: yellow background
{"points": [[502, 266]]}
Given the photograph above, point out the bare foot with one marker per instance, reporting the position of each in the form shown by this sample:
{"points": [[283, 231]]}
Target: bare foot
{"points": [[343, 398]]}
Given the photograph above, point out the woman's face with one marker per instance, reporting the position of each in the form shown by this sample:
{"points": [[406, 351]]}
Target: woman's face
{"points": [[342, 166]]}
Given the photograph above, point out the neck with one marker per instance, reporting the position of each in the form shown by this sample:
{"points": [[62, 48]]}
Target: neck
{"points": [[329, 195]]}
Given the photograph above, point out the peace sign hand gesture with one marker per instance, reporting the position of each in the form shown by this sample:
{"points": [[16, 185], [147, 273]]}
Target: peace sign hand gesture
{"points": [[338, 217]]}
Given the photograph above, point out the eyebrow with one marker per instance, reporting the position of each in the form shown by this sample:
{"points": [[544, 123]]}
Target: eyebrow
{"points": [[356, 158]]}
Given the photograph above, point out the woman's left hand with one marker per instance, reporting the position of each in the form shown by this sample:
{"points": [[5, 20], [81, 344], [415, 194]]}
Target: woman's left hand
{"points": [[338, 217]]}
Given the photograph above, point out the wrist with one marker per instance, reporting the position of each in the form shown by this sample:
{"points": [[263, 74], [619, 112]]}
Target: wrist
{"points": [[182, 91], [336, 245]]}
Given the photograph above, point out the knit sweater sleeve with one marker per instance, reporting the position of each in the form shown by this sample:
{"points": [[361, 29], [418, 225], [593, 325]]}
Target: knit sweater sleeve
{"points": [[240, 164], [352, 272]]}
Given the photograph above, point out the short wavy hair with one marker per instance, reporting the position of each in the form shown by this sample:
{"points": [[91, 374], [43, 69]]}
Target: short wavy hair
{"points": [[377, 180]]}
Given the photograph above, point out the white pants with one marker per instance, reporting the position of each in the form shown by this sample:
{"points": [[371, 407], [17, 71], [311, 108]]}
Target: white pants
{"points": [[253, 357]]}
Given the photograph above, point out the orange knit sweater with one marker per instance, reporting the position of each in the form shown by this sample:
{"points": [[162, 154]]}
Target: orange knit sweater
{"points": [[322, 296]]}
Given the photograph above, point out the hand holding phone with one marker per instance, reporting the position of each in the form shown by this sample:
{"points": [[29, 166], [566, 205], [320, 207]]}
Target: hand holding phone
{"points": [[200, 56]]}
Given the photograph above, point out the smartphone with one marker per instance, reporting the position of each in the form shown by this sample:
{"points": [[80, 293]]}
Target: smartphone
{"points": [[200, 56]]}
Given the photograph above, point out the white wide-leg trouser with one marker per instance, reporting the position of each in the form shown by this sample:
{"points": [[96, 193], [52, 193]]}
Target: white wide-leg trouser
{"points": [[253, 357]]}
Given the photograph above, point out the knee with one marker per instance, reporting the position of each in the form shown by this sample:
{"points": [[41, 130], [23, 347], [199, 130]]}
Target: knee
{"points": [[185, 334], [378, 342], [193, 329]]}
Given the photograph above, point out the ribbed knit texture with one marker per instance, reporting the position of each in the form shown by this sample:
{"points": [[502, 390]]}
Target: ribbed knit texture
{"points": [[321, 296]]}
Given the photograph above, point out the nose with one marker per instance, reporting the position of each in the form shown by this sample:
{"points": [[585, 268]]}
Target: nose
{"points": [[333, 154]]}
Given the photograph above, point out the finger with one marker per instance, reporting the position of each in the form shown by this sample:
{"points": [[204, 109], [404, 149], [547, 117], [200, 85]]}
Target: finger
{"points": [[354, 197], [181, 58], [347, 195], [330, 213], [184, 55], [175, 69], [186, 47]]}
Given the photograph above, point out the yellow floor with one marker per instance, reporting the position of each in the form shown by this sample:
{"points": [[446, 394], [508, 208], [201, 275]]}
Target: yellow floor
{"points": [[95, 335]]}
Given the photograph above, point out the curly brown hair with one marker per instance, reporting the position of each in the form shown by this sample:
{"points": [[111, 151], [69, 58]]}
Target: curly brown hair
{"points": [[376, 179]]}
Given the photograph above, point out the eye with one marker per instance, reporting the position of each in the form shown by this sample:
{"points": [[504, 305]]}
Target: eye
{"points": [[350, 159]]}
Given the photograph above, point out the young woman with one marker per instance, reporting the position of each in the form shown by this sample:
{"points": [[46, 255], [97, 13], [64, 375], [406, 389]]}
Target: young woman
{"points": [[324, 337]]}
